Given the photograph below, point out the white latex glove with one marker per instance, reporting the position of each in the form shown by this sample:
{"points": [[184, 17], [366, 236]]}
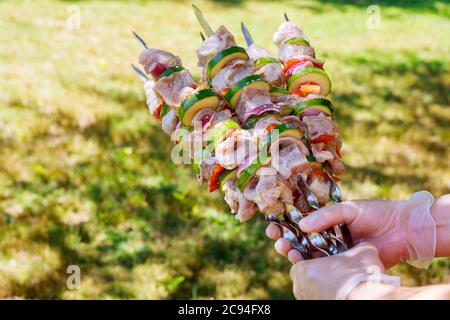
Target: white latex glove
{"points": [[401, 230], [334, 277]]}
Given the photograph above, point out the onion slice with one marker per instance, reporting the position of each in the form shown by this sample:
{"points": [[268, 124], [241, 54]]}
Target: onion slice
{"points": [[313, 112], [260, 110], [293, 120], [205, 116]]}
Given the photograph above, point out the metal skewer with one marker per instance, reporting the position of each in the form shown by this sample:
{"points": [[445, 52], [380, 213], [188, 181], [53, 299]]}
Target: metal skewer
{"points": [[206, 27], [247, 36], [309, 195], [202, 36], [320, 241], [336, 196], [297, 240], [139, 39], [140, 73], [286, 17], [335, 191]]}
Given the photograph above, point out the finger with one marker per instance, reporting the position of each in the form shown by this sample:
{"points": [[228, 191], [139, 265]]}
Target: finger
{"points": [[294, 256], [282, 246], [322, 219], [273, 231], [296, 268]]}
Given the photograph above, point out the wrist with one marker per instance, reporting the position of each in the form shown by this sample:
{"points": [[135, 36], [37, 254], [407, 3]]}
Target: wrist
{"points": [[440, 211], [418, 229], [371, 291]]}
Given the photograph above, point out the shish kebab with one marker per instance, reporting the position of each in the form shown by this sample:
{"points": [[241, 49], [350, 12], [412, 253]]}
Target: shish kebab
{"points": [[180, 89], [262, 58]]}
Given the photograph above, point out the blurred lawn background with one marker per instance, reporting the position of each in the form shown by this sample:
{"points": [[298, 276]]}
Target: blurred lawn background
{"points": [[85, 173]]}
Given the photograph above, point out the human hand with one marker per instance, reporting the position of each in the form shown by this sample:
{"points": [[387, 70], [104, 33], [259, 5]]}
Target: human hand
{"points": [[334, 277], [401, 230]]}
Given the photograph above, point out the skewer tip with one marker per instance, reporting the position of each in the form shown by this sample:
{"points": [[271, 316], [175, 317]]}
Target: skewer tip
{"points": [[202, 36], [247, 36], [286, 17], [139, 39], [201, 19], [140, 73]]}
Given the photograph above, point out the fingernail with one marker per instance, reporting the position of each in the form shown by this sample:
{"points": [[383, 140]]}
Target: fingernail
{"points": [[294, 256], [278, 246]]}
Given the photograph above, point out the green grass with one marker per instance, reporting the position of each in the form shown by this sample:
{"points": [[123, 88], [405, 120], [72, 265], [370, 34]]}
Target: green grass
{"points": [[86, 176]]}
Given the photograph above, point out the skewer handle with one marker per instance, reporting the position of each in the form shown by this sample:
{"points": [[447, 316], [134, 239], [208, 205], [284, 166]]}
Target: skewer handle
{"points": [[289, 232]]}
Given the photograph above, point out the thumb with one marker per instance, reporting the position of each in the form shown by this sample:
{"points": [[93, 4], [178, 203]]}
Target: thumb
{"points": [[322, 219]]}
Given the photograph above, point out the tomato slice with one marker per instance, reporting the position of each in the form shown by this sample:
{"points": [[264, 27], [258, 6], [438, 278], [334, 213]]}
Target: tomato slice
{"points": [[306, 89], [336, 179], [323, 138], [271, 126], [225, 91], [319, 173], [213, 183], [292, 62]]}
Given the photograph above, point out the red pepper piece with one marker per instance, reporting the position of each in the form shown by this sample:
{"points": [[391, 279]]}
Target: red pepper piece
{"points": [[214, 178]]}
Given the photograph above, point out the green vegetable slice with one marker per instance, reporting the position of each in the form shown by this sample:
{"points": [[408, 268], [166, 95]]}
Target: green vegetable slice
{"points": [[170, 71], [197, 101], [310, 75], [226, 175], [320, 103], [220, 60], [298, 41], [260, 62], [235, 91]]}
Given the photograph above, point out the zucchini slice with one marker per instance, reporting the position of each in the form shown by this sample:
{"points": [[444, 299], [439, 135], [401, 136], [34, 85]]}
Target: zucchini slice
{"points": [[308, 75], [249, 172], [219, 133], [199, 157], [319, 103], [298, 41], [288, 130], [201, 99], [225, 176], [235, 91], [221, 59], [181, 134], [170, 71], [274, 91], [164, 110], [252, 120], [284, 130], [260, 62]]}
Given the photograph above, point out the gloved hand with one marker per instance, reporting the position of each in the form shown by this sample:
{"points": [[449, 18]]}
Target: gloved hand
{"points": [[334, 277], [401, 230]]}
